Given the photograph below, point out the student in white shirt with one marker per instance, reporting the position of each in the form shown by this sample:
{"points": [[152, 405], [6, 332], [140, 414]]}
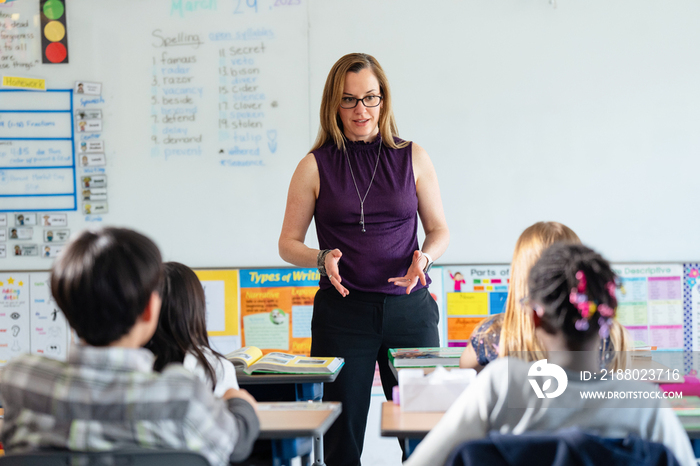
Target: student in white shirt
{"points": [[182, 331], [572, 303]]}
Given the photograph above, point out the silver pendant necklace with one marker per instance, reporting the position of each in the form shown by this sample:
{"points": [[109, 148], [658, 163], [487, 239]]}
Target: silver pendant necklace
{"points": [[362, 199]]}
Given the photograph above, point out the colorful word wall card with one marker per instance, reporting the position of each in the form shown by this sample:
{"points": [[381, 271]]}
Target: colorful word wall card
{"points": [[472, 293], [650, 304], [691, 305], [30, 321], [276, 308]]}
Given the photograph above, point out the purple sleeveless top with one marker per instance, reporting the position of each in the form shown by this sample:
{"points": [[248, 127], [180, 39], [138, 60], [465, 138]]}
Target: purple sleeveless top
{"points": [[385, 250]]}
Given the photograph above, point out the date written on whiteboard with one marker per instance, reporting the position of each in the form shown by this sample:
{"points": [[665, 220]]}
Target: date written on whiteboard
{"points": [[245, 6]]}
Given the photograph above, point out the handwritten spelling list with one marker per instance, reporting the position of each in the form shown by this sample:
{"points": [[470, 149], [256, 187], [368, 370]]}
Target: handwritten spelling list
{"points": [[225, 78]]}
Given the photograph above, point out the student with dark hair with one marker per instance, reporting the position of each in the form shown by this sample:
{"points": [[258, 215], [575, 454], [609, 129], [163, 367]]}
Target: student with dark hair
{"points": [[107, 396], [181, 335], [572, 304]]}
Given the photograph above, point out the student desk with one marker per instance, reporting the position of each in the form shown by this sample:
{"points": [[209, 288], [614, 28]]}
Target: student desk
{"points": [[409, 427], [426, 370], [285, 388], [285, 422], [292, 419], [412, 427], [303, 387]]}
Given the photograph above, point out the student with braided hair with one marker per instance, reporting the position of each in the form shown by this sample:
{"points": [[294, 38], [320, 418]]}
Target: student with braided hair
{"points": [[572, 305]]}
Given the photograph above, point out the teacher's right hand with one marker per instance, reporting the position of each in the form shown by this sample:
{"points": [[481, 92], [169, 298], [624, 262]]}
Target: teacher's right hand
{"points": [[332, 259]]}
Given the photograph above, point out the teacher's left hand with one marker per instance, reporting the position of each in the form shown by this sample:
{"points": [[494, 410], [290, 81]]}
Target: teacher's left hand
{"points": [[415, 273]]}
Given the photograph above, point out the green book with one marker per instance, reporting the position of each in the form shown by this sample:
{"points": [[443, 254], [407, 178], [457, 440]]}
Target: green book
{"points": [[425, 357]]}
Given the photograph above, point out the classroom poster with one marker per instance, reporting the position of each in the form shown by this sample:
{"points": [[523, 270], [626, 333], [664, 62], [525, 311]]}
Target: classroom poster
{"points": [[221, 293], [30, 322], [14, 316], [276, 308], [472, 293], [50, 332], [650, 304]]}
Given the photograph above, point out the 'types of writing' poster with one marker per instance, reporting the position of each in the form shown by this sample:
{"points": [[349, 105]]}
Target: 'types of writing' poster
{"points": [[472, 293], [30, 321], [276, 308], [650, 304]]}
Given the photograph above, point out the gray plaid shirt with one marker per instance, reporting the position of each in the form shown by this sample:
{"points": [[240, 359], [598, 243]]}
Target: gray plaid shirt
{"points": [[110, 398]]}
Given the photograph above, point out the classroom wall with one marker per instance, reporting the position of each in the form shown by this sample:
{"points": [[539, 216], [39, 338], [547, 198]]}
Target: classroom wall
{"points": [[581, 112]]}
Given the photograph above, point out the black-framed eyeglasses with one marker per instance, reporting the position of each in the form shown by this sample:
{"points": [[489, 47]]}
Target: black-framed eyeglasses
{"points": [[368, 101]]}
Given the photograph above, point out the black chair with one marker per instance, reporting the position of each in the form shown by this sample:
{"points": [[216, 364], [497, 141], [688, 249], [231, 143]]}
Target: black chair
{"points": [[106, 458], [563, 448]]}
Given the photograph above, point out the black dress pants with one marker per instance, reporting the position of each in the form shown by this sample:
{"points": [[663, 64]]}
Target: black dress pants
{"points": [[361, 328]]}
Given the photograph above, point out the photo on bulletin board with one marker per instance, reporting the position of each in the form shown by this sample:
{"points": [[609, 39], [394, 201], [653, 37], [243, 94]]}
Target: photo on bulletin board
{"points": [[221, 292], [276, 309], [472, 293]]}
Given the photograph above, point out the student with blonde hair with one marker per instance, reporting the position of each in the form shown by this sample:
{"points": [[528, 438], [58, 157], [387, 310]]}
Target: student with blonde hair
{"points": [[571, 302], [513, 331]]}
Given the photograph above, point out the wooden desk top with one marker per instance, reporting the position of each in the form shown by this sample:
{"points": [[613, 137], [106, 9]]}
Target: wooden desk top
{"points": [[296, 418], [396, 423], [269, 379]]}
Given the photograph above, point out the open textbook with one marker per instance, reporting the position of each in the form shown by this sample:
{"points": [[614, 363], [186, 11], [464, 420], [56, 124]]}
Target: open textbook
{"points": [[250, 360]]}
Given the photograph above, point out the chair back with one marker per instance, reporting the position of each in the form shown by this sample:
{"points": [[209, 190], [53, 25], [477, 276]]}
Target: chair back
{"points": [[106, 458], [568, 446]]}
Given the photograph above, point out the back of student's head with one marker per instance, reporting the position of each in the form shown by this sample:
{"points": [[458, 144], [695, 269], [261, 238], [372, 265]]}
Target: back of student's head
{"points": [[182, 327], [103, 280], [575, 288], [518, 333]]}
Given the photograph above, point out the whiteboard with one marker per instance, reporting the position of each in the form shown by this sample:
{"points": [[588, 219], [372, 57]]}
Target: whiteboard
{"points": [[204, 112], [580, 112]]}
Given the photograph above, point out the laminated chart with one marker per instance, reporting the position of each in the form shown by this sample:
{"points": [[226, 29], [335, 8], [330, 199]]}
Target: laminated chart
{"points": [[30, 321], [37, 169], [651, 306], [473, 293], [276, 308]]}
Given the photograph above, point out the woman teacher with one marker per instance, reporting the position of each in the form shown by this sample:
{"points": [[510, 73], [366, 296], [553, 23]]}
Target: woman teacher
{"points": [[365, 188]]}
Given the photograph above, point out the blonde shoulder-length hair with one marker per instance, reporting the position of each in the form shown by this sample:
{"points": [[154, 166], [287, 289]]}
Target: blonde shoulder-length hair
{"points": [[518, 332], [331, 128]]}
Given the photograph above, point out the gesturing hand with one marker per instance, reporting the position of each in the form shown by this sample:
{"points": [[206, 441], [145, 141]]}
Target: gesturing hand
{"points": [[415, 273], [331, 263]]}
